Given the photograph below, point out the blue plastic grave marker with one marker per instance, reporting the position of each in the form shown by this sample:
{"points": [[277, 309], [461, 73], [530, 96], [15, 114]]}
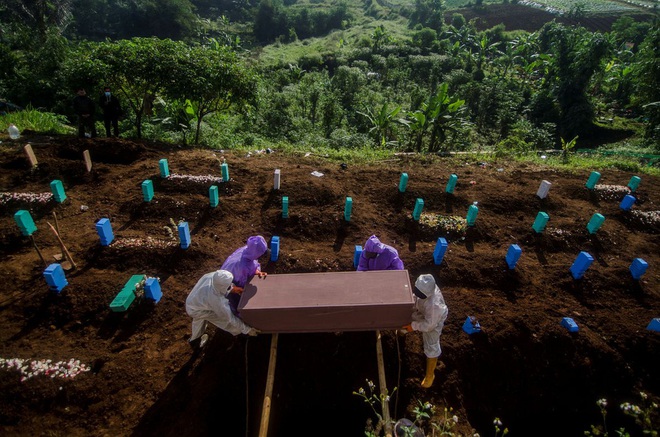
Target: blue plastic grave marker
{"points": [[440, 250], [152, 289], [471, 325], [25, 223], [654, 325], [419, 206], [55, 278], [638, 268], [164, 168], [356, 256], [513, 255], [634, 183], [595, 223], [225, 172], [348, 208], [58, 191], [471, 218], [285, 207], [104, 229], [214, 199], [274, 248], [569, 324], [403, 182], [540, 222], [627, 202], [184, 235], [593, 180], [451, 184], [147, 190], [581, 264]]}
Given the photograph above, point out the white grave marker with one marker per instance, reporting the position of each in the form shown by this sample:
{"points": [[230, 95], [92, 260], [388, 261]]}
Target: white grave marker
{"points": [[88, 161], [542, 193], [30, 155], [276, 179]]}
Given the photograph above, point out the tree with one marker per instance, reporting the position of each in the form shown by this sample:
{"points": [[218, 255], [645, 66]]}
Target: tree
{"points": [[647, 73], [39, 15], [213, 78], [382, 121]]}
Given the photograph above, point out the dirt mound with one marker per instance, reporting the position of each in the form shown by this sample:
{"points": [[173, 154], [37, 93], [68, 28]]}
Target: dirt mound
{"points": [[524, 368]]}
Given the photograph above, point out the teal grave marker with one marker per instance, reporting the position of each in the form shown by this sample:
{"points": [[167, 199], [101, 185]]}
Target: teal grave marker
{"points": [[595, 223], [540, 222], [147, 190], [25, 223], [593, 180], [164, 168], [471, 218], [285, 207], [634, 183], [419, 206], [225, 172], [403, 182], [58, 191], [214, 199], [348, 208], [451, 184]]}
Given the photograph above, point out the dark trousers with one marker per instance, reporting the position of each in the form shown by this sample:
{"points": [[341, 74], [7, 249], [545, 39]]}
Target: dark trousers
{"points": [[86, 123], [114, 121]]}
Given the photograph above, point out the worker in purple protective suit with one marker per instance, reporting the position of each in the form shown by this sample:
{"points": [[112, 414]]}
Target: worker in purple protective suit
{"points": [[379, 256], [243, 265]]}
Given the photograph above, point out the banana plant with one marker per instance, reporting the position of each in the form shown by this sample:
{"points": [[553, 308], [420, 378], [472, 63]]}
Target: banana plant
{"points": [[382, 122]]}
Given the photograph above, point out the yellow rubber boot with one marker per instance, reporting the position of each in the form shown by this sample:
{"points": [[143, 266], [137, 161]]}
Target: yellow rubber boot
{"points": [[430, 372]]}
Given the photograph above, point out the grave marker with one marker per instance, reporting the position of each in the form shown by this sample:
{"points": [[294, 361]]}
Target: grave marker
{"points": [[348, 208], [285, 207], [30, 155], [25, 223], [627, 202], [164, 168], [471, 325], [104, 229], [274, 248], [638, 268], [88, 160], [356, 256], [147, 190], [152, 289], [471, 218], [225, 172], [276, 179], [540, 222], [595, 223], [54, 275], [569, 324], [403, 182], [513, 255], [184, 235], [126, 296], [58, 191], [419, 206], [440, 250], [581, 264], [214, 199], [451, 184], [634, 183], [593, 180], [654, 325], [543, 190]]}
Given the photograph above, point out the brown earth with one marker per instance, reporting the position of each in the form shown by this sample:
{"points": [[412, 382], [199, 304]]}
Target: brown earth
{"points": [[524, 368]]}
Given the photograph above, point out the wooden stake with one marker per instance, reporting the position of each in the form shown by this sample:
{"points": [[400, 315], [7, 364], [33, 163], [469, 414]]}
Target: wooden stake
{"points": [[30, 154], [383, 387], [64, 249], [34, 243], [88, 161], [270, 379]]}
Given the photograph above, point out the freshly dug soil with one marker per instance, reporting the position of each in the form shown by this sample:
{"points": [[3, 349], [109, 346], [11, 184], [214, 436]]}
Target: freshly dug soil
{"points": [[524, 367]]}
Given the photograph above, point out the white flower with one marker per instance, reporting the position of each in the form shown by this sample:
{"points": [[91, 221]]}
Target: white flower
{"points": [[361, 391], [602, 403], [643, 395], [497, 422], [455, 419]]}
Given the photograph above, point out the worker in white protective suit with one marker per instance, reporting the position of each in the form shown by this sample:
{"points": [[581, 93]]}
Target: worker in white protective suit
{"points": [[429, 317], [207, 302]]}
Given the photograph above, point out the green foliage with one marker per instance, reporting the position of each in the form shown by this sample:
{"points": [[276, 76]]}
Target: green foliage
{"points": [[37, 121]]}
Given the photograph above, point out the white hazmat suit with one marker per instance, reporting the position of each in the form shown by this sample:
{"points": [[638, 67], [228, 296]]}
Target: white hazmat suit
{"points": [[207, 302], [429, 318]]}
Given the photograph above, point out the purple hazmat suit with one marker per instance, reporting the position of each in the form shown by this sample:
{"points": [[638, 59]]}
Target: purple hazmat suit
{"points": [[387, 258], [243, 265]]}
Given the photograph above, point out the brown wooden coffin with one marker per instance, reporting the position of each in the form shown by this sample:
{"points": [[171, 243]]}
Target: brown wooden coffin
{"points": [[328, 302]]}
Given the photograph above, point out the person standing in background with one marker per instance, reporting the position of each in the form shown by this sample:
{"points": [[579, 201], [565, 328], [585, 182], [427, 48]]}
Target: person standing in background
{"points": [[111, 111]]}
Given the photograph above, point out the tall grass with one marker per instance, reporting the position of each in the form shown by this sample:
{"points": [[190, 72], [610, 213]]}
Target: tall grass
{"points": [[36, 121]]}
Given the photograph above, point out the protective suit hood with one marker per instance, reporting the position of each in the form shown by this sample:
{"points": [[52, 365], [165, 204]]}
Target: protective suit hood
{"points": [[373, 244], [426, 284], [221, 282], [256, 246]]}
